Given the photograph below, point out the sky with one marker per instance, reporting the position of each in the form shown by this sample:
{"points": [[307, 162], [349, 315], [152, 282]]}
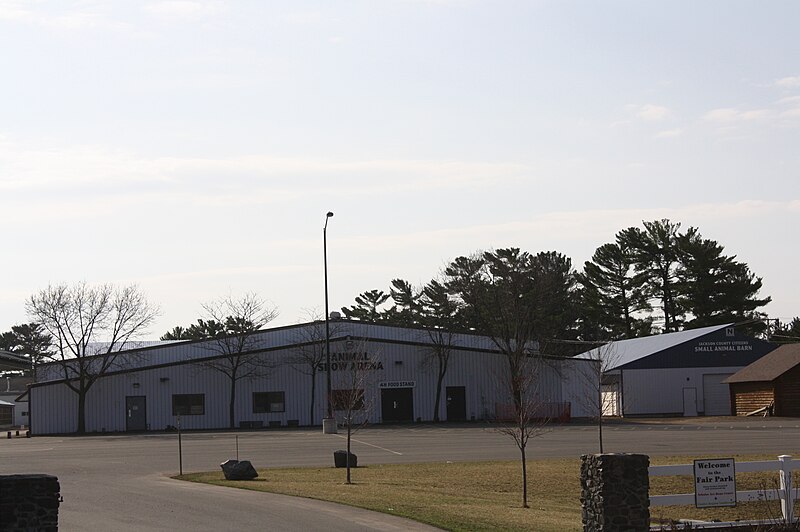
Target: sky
{"points": [[194, 147]]}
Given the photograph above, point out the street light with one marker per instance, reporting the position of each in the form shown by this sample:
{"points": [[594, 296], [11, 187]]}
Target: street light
{"points": [[328, 422]]}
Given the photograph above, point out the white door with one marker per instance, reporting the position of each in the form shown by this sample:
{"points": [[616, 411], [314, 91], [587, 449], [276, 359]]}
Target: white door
{"points": [[716, 395], [689, 402], [610, 398]]}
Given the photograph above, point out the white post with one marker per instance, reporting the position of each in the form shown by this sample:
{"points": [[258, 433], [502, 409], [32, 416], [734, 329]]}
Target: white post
{"points": [[787, 499]]}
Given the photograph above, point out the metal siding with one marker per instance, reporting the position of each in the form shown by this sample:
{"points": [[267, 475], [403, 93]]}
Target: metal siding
{"points": [[716, 395], [579, 386], [54, 406], [660, 391]]}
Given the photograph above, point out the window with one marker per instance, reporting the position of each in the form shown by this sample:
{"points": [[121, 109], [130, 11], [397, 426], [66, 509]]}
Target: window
{"points": [[189, 404], [268, 402], [347, 399]]}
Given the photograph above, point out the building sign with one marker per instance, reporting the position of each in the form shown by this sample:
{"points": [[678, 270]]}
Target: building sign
{"points": [[358, 361], [714, 483], [723, 346], [397, 384]]}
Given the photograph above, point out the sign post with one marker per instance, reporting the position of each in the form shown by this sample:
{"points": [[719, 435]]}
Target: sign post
{"points": [[714, 482]]}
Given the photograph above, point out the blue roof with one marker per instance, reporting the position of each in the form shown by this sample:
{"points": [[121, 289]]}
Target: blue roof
{"points": [[624, 352]]}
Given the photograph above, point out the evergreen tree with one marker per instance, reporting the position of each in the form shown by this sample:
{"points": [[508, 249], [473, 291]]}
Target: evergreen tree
{"points": [[407, 306], [716, 288], [205, 329], [613, 297], [367, 307], [785, 333], [657, 256]]}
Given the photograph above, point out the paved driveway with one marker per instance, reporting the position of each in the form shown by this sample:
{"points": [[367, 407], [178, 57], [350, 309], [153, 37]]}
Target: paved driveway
{"points": [[122, 483]]}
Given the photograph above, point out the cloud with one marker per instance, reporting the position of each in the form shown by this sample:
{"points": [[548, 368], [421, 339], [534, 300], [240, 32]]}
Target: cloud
{"points": [[15, 11], [730, 115], [669, 133], [46, 183], [792, 82], [79, 16], [185, 9], [651, 112]]}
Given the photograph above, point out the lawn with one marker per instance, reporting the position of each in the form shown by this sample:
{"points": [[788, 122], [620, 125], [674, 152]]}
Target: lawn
{"points": [[481, 495]]}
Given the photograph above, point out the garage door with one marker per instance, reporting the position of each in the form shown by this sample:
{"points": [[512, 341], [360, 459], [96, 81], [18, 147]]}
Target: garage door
{"points": [[716, 395]]}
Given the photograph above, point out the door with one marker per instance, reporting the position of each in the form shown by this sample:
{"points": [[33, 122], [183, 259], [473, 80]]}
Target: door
{"points": [[716, 395], [456, 398], [397, 405], [609, 395], [689, 402], [135, 413]]}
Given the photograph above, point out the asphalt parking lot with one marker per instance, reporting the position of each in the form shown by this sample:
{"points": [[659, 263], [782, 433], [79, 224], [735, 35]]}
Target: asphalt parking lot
{"points": [[121, 482]]}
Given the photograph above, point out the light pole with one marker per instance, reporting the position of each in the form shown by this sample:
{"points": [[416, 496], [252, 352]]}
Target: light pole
{"points": [[328, 422]]}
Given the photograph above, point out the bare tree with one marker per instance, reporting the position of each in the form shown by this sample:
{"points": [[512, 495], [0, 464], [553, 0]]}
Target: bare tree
{"points": [[526, 418], [237, 353], [89, 326], [592, 373], [308, 355], [352, 405]]}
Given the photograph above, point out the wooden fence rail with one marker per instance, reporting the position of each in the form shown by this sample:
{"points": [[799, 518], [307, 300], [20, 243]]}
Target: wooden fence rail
{"points": [[785, 492]]}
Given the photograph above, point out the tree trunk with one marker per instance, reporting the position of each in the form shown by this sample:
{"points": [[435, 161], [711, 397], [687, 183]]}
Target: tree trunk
{"points": [[232, 405], [600, 414], [438, 394], [600, 431], [82, 411], [313, 396], [524, 478], [349, 432]]}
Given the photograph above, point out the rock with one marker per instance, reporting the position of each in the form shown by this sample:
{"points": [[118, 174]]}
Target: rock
{"points": [[236, 470], [340, 459]]}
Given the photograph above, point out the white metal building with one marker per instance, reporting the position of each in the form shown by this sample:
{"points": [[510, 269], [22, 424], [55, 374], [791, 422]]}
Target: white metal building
{"points": [[150, 386], [675, 374]]}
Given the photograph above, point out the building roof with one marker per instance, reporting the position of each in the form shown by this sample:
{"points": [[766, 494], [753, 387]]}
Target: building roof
{"points": [[4, 403], [343, 333], [11, 361], [624, 352], [770, 366]]}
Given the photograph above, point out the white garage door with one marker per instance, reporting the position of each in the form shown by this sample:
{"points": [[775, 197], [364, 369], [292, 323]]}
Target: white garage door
{"points": [[716, 395]]}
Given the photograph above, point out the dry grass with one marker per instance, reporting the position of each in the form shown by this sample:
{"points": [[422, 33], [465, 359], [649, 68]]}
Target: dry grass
{"points": [[481, 495]]}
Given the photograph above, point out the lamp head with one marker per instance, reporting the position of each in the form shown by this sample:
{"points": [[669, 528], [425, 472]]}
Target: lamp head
{"points": [[330, 214]]}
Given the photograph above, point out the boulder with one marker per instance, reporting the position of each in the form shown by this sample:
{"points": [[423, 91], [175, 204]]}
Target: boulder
{"points": [[236, 470], [340, 459]]}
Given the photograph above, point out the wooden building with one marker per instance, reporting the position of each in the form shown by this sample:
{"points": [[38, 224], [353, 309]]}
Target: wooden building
{"points": [[771, 384]]}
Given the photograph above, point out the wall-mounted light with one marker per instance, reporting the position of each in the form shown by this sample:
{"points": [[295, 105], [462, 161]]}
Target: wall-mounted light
{"points": [[164, 379], [135, 384], [398, 362]]}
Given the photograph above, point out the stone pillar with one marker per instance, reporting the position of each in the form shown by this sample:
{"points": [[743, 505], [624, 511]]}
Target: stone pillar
{"points": [[29, 502], [615, 492]]}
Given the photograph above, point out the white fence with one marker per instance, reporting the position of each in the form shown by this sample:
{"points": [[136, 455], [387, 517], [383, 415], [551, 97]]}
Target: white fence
{"points": [[784, 491]]}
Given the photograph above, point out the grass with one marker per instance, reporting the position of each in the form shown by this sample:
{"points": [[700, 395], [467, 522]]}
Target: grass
{"points": [[483, 495]]}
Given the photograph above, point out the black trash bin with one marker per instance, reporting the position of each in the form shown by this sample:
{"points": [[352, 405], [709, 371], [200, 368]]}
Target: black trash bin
{"points": [[340, 459]]}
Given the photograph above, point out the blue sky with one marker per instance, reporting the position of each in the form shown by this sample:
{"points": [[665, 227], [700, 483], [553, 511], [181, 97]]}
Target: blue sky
{"points": [[194, 147]]}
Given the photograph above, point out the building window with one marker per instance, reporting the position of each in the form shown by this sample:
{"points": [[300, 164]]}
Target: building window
{"points": [[189, 404], [347, 399], [268, 402]]}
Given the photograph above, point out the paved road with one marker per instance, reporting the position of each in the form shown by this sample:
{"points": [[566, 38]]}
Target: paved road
{"points": [[122, 483]]}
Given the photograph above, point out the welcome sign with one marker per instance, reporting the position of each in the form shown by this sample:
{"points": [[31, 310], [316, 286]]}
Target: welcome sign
{"points": [[714, 482]]}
